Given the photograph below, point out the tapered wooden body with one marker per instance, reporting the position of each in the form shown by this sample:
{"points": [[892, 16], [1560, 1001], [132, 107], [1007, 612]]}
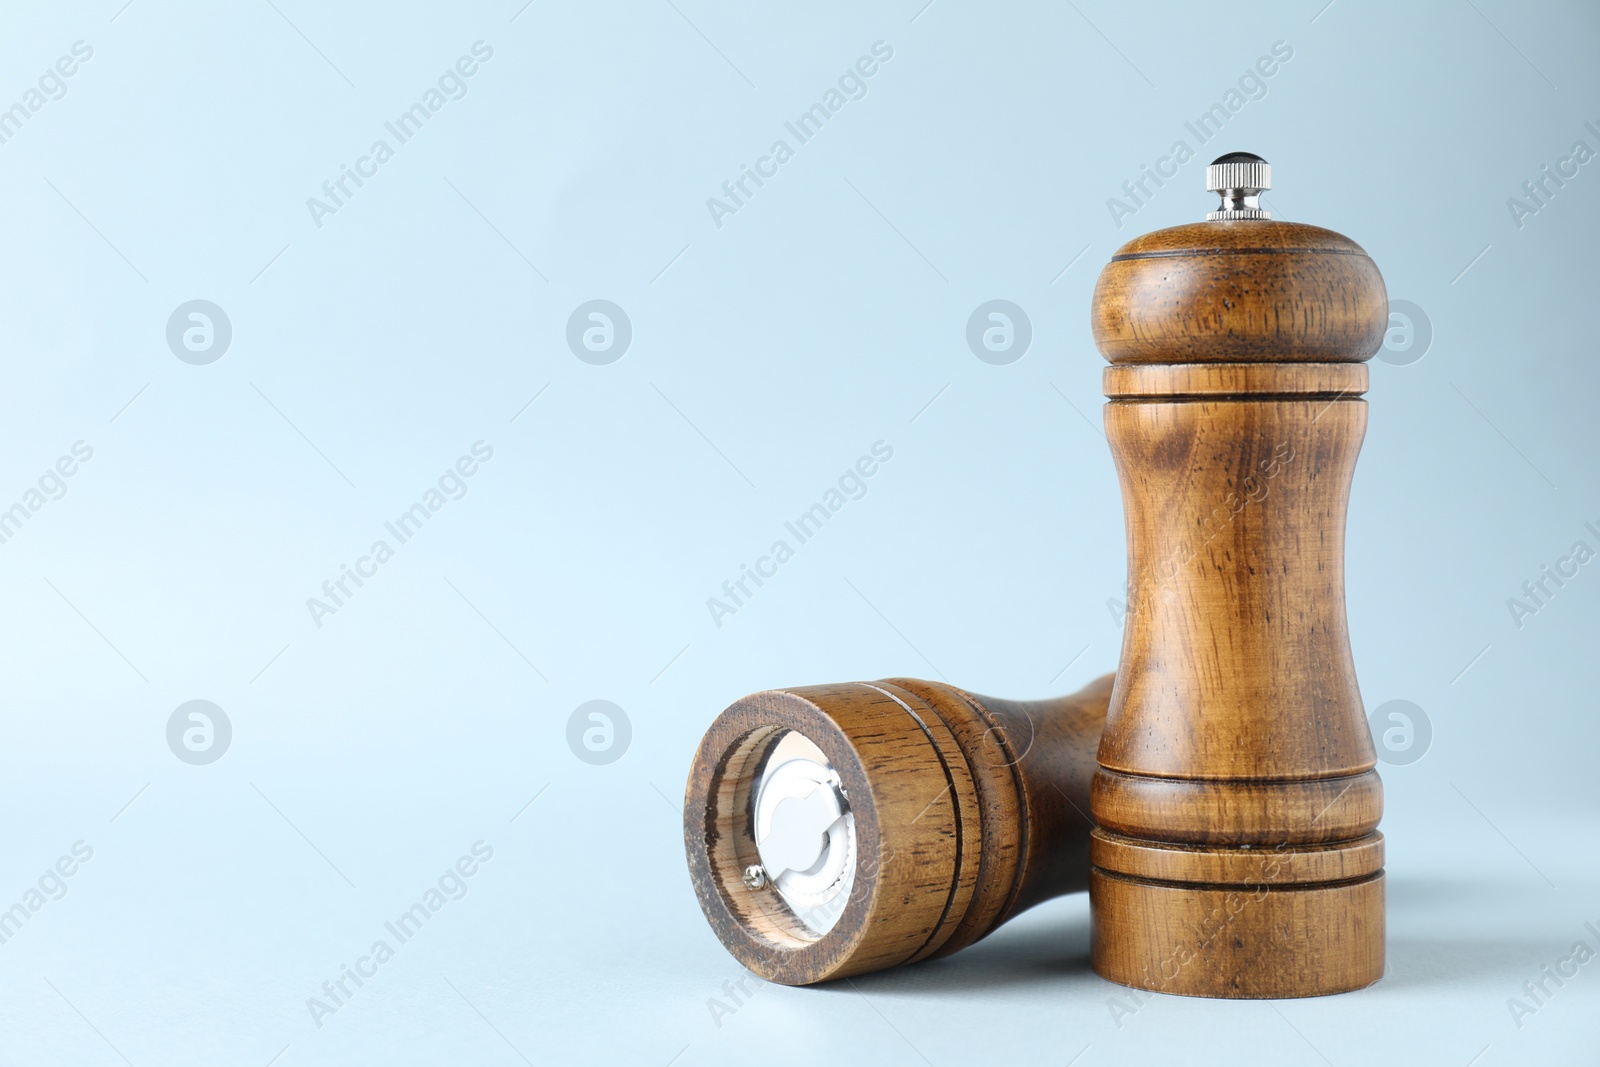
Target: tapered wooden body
{"points": [[967, 811], [1236, 853]]}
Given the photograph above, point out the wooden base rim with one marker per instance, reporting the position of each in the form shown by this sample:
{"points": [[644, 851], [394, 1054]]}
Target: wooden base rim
{"points": [[1237, 941]]}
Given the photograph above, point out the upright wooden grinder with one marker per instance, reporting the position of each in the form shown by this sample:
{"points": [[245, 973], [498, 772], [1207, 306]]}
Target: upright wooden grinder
{"points": [[833, 830], [1237, 805]]}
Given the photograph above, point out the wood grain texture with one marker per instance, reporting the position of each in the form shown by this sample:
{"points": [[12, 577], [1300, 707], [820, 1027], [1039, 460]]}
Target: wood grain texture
{"points": [[1211, 812], [1236, 650], [1238, 854], [968, 810], [1253, 290], [1249, 941], [1282, 864], [1132, 381]]}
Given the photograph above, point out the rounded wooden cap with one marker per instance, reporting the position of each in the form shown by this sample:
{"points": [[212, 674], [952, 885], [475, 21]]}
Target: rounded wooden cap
{"points": [[917, 831], [1240, 291]]}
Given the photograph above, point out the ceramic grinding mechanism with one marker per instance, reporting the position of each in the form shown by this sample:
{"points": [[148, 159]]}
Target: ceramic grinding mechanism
{"points": [[805, 833]]}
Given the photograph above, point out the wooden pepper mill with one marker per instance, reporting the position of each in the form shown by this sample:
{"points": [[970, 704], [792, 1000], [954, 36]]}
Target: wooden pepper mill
{"points": [[833, 830], [1237, 805]]}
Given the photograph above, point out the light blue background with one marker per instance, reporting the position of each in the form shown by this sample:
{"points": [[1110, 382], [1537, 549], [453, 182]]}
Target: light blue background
{"points": [[768, 354]]}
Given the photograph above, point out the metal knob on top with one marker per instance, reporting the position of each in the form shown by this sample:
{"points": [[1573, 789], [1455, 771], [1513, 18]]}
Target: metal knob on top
{"points": [[1241, 178]]}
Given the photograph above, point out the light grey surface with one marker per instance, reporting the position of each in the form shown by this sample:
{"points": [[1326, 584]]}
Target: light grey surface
{"points": [[849, 303]]}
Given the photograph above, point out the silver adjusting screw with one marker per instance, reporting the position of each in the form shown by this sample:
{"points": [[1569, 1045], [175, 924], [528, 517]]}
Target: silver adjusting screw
{"points": [[1240, 178], [755, 877]]}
